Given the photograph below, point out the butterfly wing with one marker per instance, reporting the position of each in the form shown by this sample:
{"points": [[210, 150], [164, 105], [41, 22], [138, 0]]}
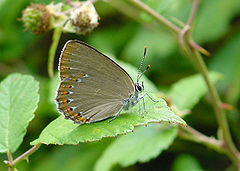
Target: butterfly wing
{"points": [[92, 86]]}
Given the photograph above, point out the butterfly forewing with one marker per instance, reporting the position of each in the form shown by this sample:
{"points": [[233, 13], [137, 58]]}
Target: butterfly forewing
{"points": [[92, 87]]}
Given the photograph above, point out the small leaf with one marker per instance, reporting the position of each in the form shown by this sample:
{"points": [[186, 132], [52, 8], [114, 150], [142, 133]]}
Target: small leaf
{"points": [[81, 157], [62, 131], [162, 7], [186, 162], [114, 38], [141, 146], [19, 98], [186, 93]]}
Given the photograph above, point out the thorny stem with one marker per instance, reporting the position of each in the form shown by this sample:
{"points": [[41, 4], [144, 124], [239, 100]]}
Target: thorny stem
{"points": [[12, 163], [191, 134], [26, 154], [220, 114], [197, 60], [193, 53]]}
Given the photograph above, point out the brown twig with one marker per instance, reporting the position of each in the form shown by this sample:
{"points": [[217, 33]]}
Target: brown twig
{"points": [[12, 163], [194, 9], [191, 134], [26, 154]]}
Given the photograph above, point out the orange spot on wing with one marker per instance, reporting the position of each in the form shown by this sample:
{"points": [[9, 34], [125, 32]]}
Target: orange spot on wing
{"points": [[64, 58], [74, 79], [64, 76], [79, 118], [65, 86], [64, 67], [68, 110], [64, 101], [68, 86], [62, 93], [82, 119]]}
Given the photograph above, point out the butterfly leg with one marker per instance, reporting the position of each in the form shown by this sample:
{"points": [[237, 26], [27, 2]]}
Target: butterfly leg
{"points": [[140, 110], [117, 114], [144, 105], [144, 94]]}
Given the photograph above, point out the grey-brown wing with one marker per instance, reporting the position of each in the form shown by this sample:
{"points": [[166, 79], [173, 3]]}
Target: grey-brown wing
{"points": [[92, 86]]}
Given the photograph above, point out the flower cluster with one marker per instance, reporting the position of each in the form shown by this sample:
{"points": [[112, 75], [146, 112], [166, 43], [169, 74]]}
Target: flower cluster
{"points": [[75, 17]]}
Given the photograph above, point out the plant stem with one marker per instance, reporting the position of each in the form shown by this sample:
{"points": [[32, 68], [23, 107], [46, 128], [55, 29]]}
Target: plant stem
{"points": [[26, 154], [140, 5], [10, 159], [52, 51], [193, 12], [191, 134], [12, 164], [220, 114], [154, 14]]}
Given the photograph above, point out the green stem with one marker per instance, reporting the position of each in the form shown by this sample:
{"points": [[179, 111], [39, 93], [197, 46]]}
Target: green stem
{"points": [[12, 164], [191, 134], [220, 114], [10, 161], [26, 154], [52, 51], [198, 62]]}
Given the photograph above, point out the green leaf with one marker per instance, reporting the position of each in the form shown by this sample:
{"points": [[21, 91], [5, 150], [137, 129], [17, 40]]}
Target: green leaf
{"points": [[114, 38], [186, 162], [62, 131], [19, 98], [158, 42], [159, 6], [81, 157], [227, 61], [186, 93], [141, 146], [213, 19]]}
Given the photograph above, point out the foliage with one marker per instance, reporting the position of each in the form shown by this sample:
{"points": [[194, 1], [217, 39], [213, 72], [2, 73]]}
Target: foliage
{"points": [[28, 111], [19, 94]]}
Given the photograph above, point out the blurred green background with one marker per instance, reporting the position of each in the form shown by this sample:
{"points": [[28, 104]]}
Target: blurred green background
{"points": [[123, 32]]}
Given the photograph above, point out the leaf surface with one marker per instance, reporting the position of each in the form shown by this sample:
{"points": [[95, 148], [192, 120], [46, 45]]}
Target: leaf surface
{"points": [[19, 98]]}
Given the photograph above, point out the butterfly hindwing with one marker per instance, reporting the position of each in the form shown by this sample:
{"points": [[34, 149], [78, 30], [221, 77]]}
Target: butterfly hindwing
{"points": [[92, 86]]}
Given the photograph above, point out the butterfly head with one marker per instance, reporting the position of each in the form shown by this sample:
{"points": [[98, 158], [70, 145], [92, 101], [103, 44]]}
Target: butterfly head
{"points": [[139, 87]]}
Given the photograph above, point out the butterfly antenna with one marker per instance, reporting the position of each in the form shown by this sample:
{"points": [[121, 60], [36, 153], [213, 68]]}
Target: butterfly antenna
{"points": [[143, 72], [139, 69]]}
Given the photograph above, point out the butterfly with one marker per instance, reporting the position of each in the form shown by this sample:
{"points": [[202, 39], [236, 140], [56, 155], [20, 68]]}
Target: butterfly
{"points": [[93, 87]]}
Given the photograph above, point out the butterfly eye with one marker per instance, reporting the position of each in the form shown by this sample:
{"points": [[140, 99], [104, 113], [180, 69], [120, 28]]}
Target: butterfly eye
{"points": [[139, 88]]}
